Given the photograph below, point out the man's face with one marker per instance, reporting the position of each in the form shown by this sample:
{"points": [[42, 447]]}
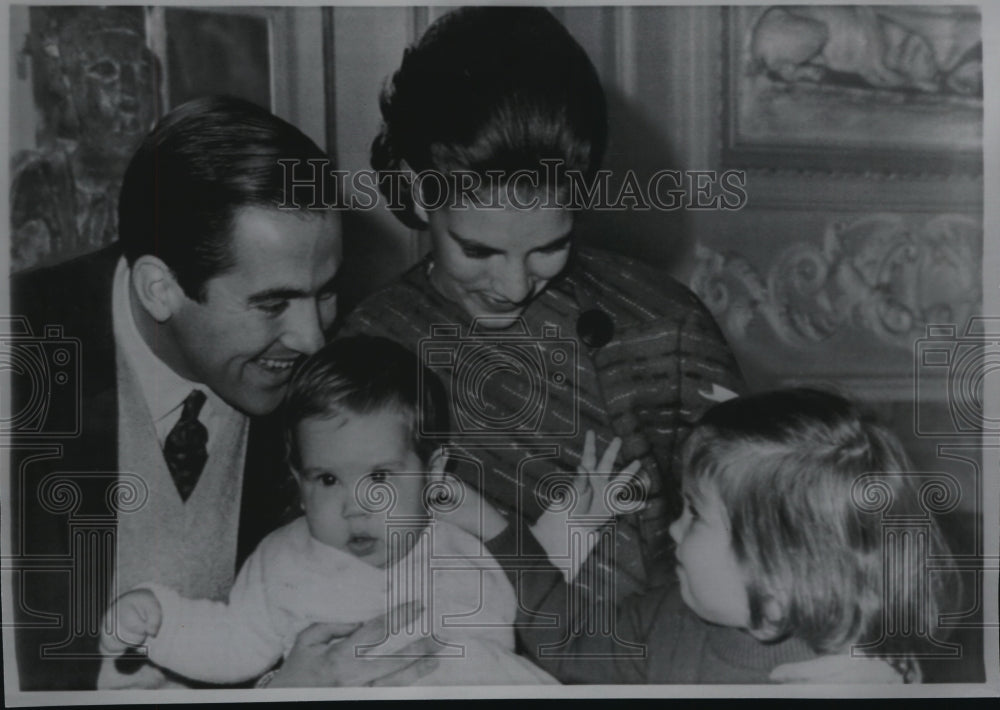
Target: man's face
{"points": [[263, 314]]}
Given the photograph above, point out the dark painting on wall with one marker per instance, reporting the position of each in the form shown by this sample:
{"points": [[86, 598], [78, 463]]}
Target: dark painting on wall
{"points": [[94, 83], [217, 53], [100, 78]]}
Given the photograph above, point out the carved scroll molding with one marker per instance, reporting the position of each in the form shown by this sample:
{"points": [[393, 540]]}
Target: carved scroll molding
{"points": [[884, 274]]}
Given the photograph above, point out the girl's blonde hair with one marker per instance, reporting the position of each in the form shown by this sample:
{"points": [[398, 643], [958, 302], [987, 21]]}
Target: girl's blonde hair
{"points": [[785, 465]]}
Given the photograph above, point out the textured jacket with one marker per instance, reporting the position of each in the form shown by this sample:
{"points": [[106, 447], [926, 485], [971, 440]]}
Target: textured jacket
{"points": [[665, 363]]}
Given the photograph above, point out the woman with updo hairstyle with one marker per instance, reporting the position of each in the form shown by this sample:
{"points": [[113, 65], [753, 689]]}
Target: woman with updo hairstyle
{"points": [[490, 90], [493, 126]]}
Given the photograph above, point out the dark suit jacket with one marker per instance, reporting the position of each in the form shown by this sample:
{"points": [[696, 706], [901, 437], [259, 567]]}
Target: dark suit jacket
{"points": [[65, 489]]}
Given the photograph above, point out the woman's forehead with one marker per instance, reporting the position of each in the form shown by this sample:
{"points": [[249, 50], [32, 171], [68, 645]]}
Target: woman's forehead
{"points": [[508, 226]]}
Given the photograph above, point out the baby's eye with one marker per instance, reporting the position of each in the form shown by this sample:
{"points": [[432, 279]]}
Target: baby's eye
{"points": [[379, 476], [327, 479]]}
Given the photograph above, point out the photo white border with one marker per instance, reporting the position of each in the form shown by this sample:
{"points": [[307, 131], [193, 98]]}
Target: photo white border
{"points": [[991, 485]]}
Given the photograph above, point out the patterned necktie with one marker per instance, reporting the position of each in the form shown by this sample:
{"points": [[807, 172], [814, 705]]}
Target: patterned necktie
{"points": [[185, 448]]}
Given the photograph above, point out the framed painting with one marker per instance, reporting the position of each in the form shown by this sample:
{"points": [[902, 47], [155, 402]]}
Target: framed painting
{"points": [[238, 51], [860, 89]]}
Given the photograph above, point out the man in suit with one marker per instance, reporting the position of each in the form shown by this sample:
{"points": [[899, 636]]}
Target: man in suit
{"points": [[184, 333]]}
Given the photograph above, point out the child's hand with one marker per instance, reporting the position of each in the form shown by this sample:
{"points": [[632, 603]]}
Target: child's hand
{"points": [[134, 617], [458, 503], [597, 492], [597, 484]]}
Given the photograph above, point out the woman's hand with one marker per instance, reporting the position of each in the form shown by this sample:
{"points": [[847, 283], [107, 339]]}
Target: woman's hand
{"points": [[325, 655]]}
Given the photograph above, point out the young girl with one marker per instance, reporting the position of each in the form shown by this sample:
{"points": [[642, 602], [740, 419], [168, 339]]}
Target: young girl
{"points": [[780, 557], [365, 543]]}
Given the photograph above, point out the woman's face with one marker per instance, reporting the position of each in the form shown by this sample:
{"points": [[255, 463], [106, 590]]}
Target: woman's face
{"points": [[495, 261]]}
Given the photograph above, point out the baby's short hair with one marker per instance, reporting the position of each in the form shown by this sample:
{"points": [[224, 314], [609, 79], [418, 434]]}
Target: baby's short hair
{"points": [[785, 465], [364, 374]]}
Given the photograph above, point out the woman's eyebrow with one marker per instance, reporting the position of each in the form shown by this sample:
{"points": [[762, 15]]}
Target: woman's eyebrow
{"points": [[472, 243]]}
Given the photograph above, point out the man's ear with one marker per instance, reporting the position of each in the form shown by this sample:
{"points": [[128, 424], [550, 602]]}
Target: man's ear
{"points": [[155, 287]]}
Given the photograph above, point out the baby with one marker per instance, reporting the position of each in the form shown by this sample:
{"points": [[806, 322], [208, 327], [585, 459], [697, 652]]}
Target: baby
{"points": [[782, 561], [365, 544]]}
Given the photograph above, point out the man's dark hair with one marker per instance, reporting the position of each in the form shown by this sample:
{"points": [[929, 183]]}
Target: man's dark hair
{"points": [[202, 162]]}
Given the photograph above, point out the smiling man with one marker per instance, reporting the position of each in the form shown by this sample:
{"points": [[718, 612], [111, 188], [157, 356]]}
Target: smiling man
{"points": [[188, 330]]}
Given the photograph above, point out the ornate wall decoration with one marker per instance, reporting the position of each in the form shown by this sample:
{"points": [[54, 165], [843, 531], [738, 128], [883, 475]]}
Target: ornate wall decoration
{"points": [[881, 275]]}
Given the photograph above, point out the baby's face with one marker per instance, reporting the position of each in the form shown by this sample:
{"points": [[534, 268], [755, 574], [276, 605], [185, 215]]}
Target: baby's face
{"points": [[711, 580], [341, 459]]}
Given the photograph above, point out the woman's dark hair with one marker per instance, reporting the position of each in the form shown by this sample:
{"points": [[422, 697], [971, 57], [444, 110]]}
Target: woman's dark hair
{"points": [[490, 89], [202, 162]]}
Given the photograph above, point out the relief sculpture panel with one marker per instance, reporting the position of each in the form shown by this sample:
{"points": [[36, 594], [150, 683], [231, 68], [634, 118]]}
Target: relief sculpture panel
{"points": [[882, 275]]}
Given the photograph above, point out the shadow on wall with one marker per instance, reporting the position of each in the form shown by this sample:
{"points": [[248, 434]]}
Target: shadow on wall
{"points": [[374, 255], [658, 237]]}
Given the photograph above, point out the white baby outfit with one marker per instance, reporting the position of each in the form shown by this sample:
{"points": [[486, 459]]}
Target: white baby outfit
{"points": [[293, 580]]}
